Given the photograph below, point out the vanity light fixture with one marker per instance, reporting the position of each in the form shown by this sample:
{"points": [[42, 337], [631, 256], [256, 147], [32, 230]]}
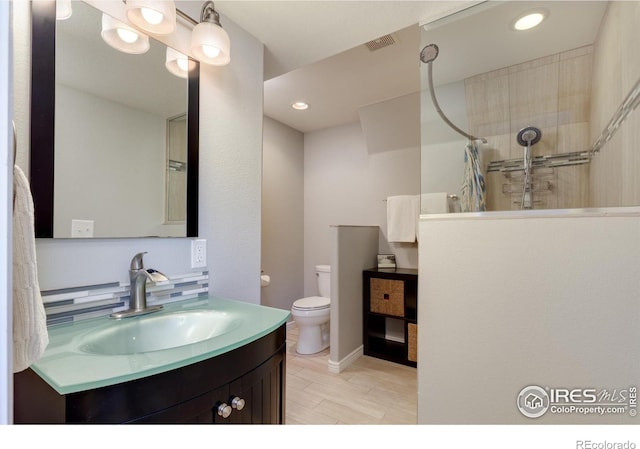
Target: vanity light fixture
{"points": [[530, 20], [122, 37], [177, 63], [153, 16], [63, 9], [209, 42], [300, 105]]}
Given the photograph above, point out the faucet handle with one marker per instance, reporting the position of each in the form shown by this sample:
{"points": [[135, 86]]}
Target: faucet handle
{"points": [[136, 262]]}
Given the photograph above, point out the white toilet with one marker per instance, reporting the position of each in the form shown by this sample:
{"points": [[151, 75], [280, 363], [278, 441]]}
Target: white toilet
{"points": [[312, 315]]}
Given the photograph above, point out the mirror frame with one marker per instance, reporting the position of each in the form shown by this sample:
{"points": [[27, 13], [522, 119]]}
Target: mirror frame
{"points": [[42, 133]]}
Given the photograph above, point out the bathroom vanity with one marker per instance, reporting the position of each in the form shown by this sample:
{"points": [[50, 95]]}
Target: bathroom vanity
{"points": [[237, 376], [390, 312]]}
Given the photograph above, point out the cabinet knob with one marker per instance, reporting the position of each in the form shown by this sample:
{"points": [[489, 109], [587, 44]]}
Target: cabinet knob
{"points": [[237, 403], [224, 410]]}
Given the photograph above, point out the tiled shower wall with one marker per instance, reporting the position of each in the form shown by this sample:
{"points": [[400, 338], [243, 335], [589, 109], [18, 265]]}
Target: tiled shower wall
{"points": [[614, 170], [551, 93]]}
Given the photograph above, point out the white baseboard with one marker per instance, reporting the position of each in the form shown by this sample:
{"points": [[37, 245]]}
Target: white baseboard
{"points": [[338, 367]]}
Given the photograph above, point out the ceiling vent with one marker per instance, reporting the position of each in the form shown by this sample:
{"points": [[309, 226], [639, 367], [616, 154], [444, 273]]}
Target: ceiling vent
{"points": [[381, 42]]}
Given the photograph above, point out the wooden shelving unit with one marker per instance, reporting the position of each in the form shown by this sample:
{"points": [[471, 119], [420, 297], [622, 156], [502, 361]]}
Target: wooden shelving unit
{"points": [[390, 313]]}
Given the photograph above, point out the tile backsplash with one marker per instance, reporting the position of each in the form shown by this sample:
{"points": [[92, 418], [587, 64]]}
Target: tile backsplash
{"points": [[77, 303]]}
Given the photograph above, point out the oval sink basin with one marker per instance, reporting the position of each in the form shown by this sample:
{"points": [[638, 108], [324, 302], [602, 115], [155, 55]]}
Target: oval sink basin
{"points": [[157, 332]]}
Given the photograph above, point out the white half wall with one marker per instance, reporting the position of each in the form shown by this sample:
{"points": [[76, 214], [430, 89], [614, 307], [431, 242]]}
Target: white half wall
{"points": [[507, 301]]}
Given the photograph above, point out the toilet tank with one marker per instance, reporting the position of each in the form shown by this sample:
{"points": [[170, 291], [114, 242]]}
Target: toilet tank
{"points": [[323, 277]]}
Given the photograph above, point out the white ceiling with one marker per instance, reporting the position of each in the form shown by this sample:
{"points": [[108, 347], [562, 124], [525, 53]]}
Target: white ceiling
{"points": [[314, 49]]}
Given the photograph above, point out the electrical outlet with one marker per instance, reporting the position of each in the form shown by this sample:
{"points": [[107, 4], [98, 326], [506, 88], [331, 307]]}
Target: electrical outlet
{"points": [[198, 253], [81, 228]]}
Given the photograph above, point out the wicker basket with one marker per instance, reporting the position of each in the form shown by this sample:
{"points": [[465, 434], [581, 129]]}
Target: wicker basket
{"points": [[387, 297], [412, 346]]}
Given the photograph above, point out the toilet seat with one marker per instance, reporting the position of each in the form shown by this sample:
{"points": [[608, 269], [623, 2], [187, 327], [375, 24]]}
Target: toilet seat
{"points": [[312, 303]]}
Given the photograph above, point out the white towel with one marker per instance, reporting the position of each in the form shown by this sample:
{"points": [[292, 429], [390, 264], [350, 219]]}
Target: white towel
{"points": [[402, 218], [435, 203], [30, 336]]}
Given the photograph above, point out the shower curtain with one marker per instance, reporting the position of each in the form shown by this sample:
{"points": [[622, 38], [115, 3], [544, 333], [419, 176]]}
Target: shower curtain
{"points": [[473, 188]]}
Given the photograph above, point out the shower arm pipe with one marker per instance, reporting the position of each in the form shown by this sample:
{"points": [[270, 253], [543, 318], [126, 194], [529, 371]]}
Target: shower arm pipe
{"points": [[439, 109]]}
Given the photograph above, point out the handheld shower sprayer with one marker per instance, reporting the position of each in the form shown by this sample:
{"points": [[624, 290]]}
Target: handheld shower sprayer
{"points": [[429, 53], [528, 137]]}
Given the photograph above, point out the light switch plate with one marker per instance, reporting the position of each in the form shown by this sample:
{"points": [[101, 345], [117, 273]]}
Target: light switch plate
{"points": [[198, 253], [81, 228]]}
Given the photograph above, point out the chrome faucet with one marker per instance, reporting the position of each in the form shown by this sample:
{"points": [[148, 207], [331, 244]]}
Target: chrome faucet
{"points": [[138, 277]]}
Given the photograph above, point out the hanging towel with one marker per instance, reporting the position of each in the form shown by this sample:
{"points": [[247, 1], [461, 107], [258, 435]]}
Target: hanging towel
{"points": [[402, 218], [30, 336], [473, 188]]}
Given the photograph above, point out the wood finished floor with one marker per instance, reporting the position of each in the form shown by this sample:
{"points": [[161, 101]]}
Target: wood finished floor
{"points": [[370, 391]]}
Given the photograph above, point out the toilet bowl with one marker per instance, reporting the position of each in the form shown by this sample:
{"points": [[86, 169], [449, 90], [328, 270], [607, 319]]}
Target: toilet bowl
{"points": [[311, 315]]}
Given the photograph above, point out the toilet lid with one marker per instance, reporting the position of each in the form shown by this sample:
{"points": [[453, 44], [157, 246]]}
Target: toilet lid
{"points": [[312, 303]]}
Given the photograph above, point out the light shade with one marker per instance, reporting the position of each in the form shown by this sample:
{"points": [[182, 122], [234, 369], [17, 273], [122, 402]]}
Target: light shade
{"points": [[63, 9], [122, 37], [153, 16], [177, 63], [210, 44]]}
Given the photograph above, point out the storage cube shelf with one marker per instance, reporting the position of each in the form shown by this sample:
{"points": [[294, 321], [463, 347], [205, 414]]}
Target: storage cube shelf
{"points": [[390, 302]]}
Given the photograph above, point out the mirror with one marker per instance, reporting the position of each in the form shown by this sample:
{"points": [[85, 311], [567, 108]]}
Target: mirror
{"points": [[114, 140], [568, 78]]}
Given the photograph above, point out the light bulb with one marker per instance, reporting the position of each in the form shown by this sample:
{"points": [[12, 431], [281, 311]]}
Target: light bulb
{"points": [[183, 64], [529, 21], [127, 35], [63, 9], [152, 16], [211, 51], [122, 37]]}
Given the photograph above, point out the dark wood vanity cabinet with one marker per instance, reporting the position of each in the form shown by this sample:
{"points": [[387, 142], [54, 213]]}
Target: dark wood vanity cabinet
{"points": [[390, 314], [253, 375]]}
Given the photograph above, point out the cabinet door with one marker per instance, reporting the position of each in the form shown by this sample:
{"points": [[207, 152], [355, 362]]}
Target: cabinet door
{"points": [[200, 410], [262, 393]]}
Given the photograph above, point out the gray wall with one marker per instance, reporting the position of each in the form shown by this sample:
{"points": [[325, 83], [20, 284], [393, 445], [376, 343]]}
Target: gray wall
{"points": [[353, 249], [346, 185], [230, 180], [95, 166], [507, 301], [282, 214]]}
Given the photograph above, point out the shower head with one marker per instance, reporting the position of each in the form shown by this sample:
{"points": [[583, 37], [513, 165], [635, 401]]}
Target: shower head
{"points": [[429, 53], [529, 136]]}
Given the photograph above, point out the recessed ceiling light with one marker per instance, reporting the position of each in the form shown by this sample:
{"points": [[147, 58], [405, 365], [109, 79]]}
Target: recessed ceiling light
{"points": [[300, 105], [530, 20]]}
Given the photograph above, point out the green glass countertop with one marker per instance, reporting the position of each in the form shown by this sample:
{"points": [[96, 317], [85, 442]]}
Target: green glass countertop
{"points": [[68, 367]]}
